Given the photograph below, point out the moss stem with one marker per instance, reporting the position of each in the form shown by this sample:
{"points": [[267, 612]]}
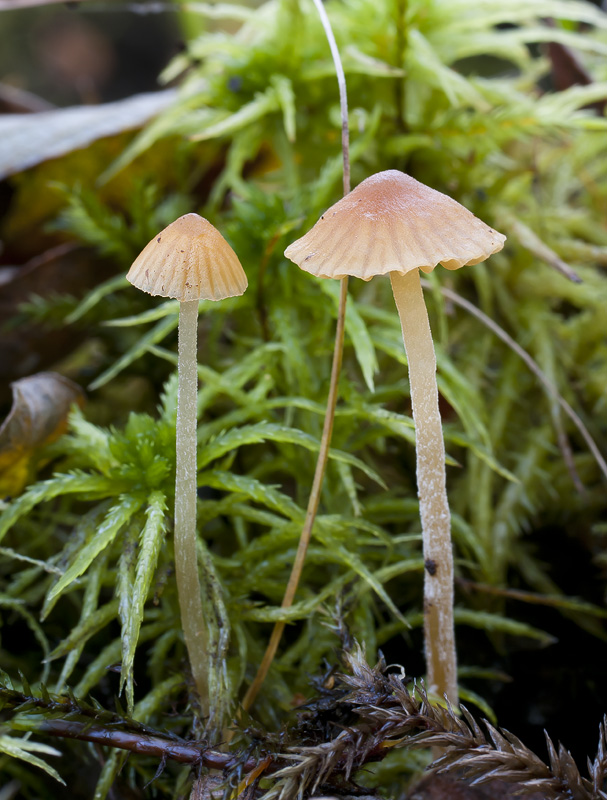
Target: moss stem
{"points": [[343, 92], [186, 563], [439, 633], [313, 501], [323, 453]]}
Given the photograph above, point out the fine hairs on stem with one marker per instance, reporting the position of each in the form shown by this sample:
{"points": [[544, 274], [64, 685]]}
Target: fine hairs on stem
{"points": [[439, 633], [327, 431], [186, 562]]}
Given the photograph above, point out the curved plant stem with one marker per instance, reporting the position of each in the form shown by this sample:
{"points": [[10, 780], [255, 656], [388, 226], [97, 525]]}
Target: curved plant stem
{"points": [[400, 85], [323, 453], [186, 562], [439, 636], [306, 532], [343, 95]]}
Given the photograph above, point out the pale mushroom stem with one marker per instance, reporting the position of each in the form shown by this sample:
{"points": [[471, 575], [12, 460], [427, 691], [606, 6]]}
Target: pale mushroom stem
{"points": [[186, 561], [439, 636]]}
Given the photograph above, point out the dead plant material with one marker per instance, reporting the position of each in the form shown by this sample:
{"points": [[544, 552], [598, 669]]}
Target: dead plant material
{"points": [[387, 714], [357, 719]]}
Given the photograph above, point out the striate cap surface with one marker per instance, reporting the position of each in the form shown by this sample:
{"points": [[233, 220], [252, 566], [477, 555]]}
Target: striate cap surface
{"points": [[392, 223], [189, 260]]}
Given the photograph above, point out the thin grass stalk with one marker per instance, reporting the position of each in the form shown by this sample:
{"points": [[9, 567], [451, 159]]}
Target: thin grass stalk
{"points": [[325, 443]]}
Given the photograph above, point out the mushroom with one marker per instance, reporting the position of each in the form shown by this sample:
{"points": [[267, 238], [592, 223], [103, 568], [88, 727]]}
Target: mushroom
{"points": [[391, 223], [190, 261]]}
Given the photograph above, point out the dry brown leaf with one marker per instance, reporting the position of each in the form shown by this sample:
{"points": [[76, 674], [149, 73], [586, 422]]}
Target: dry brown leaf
{"points": [[41, 404]]}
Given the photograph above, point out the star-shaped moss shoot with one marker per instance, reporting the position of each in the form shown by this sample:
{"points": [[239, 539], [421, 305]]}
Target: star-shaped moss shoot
{"points": [[393, 224], [189, 261]]}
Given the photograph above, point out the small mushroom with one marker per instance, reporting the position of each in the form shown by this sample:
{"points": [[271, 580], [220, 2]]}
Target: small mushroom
{"points": [[190, 261], [391, 223]]}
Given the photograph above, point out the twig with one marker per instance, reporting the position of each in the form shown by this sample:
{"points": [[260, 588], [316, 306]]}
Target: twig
{"points": [[101, 726], [181, 751], [368, 712], [325, 442]]}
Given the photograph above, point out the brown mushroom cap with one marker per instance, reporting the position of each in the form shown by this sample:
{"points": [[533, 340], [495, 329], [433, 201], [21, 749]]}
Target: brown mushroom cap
{"points": [[392, 223], [189, 260]]}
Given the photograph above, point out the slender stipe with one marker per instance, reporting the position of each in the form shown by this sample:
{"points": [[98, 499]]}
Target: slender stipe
{"points": [[186, 563]]}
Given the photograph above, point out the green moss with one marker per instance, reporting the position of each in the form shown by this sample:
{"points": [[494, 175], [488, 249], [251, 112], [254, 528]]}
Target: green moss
{"points": [[427, 96]]}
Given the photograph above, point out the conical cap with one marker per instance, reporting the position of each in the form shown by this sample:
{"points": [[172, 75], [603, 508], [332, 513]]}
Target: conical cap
{"points": [[392, 223], [189, 260]]}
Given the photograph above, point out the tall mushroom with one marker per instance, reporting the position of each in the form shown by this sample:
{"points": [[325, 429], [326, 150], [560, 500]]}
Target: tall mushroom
{"points": [[190, 261], [391, 223]]}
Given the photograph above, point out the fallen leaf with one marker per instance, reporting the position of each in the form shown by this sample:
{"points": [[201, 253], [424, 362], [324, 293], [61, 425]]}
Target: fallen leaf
{"points": [[41, 404], [28, 139]]}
